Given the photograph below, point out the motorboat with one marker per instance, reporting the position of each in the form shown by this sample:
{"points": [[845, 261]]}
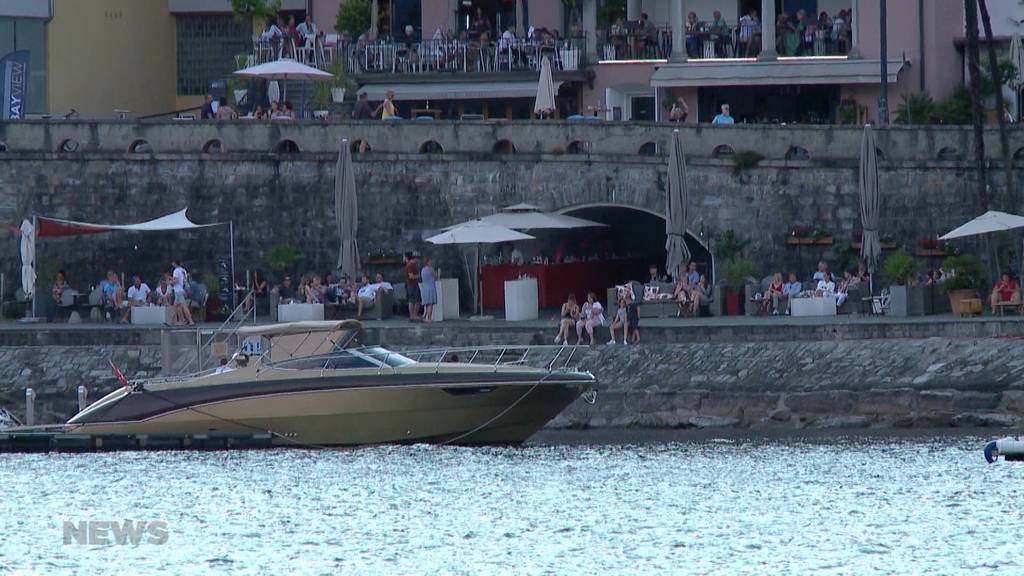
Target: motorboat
{"points": [[310, 384], [1010, 448]]}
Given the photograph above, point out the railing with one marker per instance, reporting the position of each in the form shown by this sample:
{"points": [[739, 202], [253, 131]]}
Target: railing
{"points": [[459, 56], [226, 332], [553, 359], [704, 43]]}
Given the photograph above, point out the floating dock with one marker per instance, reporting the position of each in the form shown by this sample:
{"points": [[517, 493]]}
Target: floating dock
{"points": [[59, 441]]}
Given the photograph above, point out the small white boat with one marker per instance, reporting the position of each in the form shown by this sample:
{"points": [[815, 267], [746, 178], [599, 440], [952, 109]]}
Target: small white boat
{"points": [[1010, 448]]}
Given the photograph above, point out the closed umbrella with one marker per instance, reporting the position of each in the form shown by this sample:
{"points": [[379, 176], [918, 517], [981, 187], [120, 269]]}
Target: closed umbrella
{"points": [[675, 208], [346, 211], [1017, 59], [545, 90], [871, 246], [477, 232], [28, 259], [274, 92]]}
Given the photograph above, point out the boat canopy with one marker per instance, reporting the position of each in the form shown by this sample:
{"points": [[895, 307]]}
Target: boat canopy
{"points": [[289, 328], [301, 339]]}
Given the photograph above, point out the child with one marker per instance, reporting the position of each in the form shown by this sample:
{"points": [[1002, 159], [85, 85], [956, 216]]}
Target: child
{"points": [[632, 321], [619, 322]]}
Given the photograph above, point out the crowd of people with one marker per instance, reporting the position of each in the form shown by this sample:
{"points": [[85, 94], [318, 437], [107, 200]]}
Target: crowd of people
{"points": [[174, 289], [362, 293]]}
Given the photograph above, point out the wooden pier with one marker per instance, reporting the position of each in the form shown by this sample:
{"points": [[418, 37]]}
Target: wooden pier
{"points": [[28, 441]]}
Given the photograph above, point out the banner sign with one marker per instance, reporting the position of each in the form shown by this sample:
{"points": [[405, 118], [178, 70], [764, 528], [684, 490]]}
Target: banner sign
{"points": [[13, 85]]}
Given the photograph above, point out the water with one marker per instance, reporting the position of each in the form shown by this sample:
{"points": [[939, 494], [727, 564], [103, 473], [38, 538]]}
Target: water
{"points": [[833, 505]]}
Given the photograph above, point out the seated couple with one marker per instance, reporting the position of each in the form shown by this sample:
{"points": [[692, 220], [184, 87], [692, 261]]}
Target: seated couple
{"points": [[691, 295], [587, 317]]}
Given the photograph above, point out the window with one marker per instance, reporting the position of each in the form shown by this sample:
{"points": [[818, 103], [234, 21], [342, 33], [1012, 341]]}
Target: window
{"points": [[28, 34], [503, 147], [207, 45], [431, 147], [286, 147], [649, 149], [140, 147]]}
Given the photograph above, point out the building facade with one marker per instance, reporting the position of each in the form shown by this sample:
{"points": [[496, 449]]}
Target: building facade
{"points": [[803, 61]]}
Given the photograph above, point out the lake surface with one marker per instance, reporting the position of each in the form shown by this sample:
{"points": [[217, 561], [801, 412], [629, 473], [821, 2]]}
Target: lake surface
{"points": [[569, 504]]}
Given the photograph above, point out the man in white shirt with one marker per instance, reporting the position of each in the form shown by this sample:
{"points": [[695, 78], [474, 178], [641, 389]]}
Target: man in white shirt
{"points": [[138, 295], [181, 310], [367, 294], [307, 30]]}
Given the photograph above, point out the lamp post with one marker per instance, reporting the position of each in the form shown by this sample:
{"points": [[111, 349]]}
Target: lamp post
{"points": [[883, 93]]}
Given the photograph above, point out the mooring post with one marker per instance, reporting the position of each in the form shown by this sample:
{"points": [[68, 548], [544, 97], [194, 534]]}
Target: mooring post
{"points": [[83, 392], [30, 407]]}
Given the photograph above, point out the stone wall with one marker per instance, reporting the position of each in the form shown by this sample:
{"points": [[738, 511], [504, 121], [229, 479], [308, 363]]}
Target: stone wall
{"points": [[677, 379], [404, 196]]}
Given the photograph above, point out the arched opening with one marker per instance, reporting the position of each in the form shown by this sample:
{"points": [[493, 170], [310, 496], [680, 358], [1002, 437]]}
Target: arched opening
{"points": [[797, 153], [649, 149], [140, 147], [948, 153], [68, 145], [213, 147], [638, 232], [359, 146], [578, 147], [286, 147], [504, 147], [722, 151], [3, 146], [431, 147]]}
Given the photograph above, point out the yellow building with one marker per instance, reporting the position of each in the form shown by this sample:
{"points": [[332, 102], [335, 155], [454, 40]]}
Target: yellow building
{"points": [[143, 56]]}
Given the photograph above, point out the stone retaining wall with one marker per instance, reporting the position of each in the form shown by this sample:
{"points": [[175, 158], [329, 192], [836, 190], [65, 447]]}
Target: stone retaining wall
{"points": [[924, 382]]}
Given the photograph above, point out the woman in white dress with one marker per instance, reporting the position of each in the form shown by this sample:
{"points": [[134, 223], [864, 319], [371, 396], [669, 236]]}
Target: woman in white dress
{"points": [[592, 315]]}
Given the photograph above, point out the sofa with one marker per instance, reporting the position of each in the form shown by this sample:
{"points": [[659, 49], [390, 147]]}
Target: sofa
{"points": [[646, 308]]}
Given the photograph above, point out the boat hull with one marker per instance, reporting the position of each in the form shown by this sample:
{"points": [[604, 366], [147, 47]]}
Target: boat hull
{"points": [[505, 413]]}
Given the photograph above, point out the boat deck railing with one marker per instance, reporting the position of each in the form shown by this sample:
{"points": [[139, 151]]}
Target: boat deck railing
{"points": [[553, 359]]}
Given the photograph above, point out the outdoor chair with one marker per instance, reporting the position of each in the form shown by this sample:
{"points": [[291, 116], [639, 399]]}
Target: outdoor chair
{"points": [[880, 303]]}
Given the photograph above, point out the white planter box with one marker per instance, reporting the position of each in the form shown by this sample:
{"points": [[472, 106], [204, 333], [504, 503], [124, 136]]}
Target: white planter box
{"points": [[152, 315], [338, 95], [299, 312], [447, 307], [521, 300], [239, 96], [812, 306]]}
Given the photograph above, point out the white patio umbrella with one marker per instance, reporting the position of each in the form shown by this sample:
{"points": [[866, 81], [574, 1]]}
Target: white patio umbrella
{"points": [[28, 259], [284, 70], [346, 211], [530, 217], [545, 90], [274, 92], [987, 223], [677, 253], [871, 244], [478, 232]]}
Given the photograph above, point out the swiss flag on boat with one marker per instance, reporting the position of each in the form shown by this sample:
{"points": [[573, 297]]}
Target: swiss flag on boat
{"points": [[117, 373]]}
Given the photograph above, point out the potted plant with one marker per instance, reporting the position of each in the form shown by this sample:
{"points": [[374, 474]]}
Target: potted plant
{"points": [[965, 277], [321, 98], [901, 269], [736, 274]]}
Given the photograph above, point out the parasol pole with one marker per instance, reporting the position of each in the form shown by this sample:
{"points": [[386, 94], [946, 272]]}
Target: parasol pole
{"points": [[35, 277], [479, 285], [231, 239]]}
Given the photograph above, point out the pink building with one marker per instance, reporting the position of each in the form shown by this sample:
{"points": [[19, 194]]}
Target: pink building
{"points": [[806, 61]]}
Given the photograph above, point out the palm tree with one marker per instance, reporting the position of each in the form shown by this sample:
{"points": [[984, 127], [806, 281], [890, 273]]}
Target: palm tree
{"points": [[997, 81], [977, 110]]}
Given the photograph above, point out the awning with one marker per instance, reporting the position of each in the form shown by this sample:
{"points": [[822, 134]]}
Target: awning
{"points": [[454, 90], [784, 71], [59, 227]]}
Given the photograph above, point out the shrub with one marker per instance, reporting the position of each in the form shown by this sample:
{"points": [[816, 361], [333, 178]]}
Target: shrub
{"points": [[353, 18], [963, 273], [282, 257], [737, 272], [899, 267]]}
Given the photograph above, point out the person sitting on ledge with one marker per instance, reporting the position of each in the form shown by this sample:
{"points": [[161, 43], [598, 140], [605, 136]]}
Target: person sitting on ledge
{"points": [[826, 287], [773, 295], [681, 294], [822, 271], [701, 295], [1005, 293], [791, 289], [567, 319], [285, 293], [619, 322], [692, 276], [138, 295]]}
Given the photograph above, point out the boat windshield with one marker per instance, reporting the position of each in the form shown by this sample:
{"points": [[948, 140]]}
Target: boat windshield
{"points": [[369, 357], [385, 356]]}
